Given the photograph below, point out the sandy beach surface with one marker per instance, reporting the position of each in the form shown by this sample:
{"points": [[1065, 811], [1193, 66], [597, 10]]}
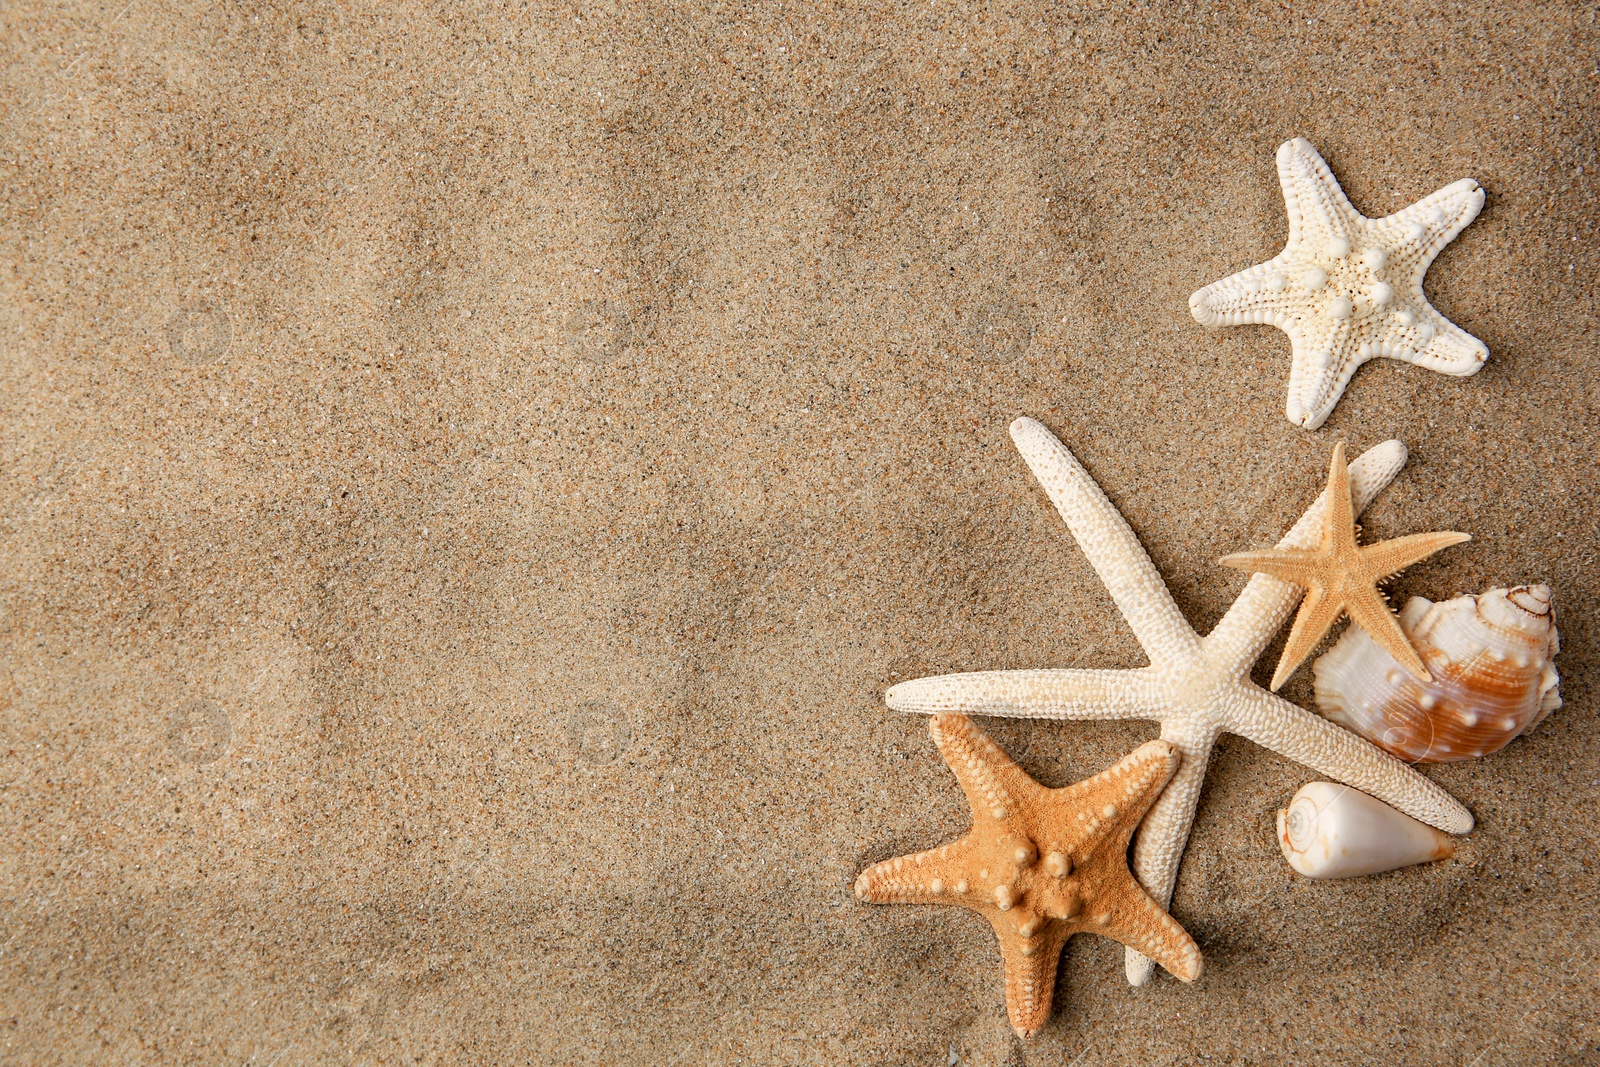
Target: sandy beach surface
{"points": [[471, 472]]}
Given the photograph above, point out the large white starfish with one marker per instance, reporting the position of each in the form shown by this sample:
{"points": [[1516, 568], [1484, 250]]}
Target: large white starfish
{"points": [[1194, 687], [1347, 288]]}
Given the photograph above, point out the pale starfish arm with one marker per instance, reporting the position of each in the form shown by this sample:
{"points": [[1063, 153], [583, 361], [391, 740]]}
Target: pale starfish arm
{"points": [[1325, 358], [1453, 350], [1040, 694], [1325, 353], [1295, 733], [1432, 341], [1413, 238], [1158, 846], [1317, 208], [1263, 293], [1416, 234], [1261, 609], [1113, 550]]}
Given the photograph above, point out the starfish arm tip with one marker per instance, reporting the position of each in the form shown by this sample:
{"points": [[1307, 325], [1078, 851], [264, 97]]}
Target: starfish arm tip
{"points": [[1445, 813], [1022, 426], [1296, 411], [918, 696], [1452, 351], [867, 889], [1314, 420], [1291, 661], [1138, 967], [1293, 146], [1407, 656], [1162, 747], [1473, 198], [1183, 960], [1393, 450], [1283, 564]]}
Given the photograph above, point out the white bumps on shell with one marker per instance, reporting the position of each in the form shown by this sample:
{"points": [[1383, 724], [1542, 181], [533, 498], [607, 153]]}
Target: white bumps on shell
{"points": [[1343, 313], [1493, 679]]}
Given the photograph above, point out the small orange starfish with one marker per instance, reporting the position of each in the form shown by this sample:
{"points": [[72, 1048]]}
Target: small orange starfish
{"points": [[1342, 576], [1042, 864]]}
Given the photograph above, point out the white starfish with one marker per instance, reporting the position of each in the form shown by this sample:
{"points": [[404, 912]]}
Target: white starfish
{"points": [[1347, 288], [1195, 687]]}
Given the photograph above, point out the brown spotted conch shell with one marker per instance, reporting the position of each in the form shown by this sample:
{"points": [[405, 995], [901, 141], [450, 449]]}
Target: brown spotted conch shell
{"points": [[1490, 658]]}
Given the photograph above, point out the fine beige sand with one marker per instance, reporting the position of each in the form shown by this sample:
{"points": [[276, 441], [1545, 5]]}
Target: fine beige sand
{"points": [[472, 470]]}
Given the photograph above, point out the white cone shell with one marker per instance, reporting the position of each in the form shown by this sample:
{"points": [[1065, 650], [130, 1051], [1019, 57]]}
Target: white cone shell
{"points": [[1333, 831], [1490, 657]]}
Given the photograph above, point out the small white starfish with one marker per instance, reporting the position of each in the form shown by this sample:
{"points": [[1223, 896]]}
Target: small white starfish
{"points": [[1347, 288], [1194, 687]]}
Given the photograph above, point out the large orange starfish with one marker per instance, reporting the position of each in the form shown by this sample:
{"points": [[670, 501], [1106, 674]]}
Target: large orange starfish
{"points": [[1042, 864], [1342, 576]]}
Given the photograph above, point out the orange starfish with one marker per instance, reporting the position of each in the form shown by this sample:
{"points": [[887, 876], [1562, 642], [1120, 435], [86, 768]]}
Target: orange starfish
{"points": [[1341, 576], [1042, 864]]}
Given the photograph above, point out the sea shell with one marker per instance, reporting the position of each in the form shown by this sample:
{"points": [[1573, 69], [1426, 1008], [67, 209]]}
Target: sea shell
{"points": [[1332, 831], [1492, 676]]}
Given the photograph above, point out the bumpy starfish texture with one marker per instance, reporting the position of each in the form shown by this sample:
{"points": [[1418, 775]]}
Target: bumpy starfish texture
{"points": [[1347, 288], [1341, 576], [1042, 864], [1195, 687]]}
